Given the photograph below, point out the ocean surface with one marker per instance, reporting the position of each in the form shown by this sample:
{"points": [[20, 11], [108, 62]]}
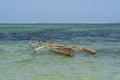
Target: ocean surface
{"points": [[18, 62]]}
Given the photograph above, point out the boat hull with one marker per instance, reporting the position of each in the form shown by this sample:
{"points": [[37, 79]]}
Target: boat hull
{"points": [[61, 51]]}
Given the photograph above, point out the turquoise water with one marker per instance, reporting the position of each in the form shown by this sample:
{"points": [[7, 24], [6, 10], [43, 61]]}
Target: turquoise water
{"points": [[18, 62]]}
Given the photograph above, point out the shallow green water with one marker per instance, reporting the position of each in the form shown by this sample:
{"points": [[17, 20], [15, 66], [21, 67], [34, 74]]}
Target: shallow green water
{"points": [[18, 62]]}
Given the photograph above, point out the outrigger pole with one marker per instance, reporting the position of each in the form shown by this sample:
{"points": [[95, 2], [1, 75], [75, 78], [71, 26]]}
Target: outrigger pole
{"points": [[64, 49]]}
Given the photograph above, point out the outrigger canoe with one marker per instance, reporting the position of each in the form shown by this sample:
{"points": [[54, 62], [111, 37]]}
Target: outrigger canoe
{"points": [[62, 49]]}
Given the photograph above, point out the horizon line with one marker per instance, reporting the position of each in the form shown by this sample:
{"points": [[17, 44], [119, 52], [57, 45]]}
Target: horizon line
{"points": [[59, 22]]}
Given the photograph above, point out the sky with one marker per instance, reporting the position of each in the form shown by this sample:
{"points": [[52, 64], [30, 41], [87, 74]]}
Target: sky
{"points": [[59, 11]]}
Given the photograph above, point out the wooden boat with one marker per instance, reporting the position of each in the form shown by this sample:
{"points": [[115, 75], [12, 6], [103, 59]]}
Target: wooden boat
{"points": [[63, 49]]}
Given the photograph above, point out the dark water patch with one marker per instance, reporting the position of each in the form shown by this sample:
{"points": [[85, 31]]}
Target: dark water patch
{"points": [[109, 35], [44, 34]]}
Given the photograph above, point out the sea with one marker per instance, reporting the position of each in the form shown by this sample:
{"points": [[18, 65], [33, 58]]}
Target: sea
{"points": [[19, 62]]}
